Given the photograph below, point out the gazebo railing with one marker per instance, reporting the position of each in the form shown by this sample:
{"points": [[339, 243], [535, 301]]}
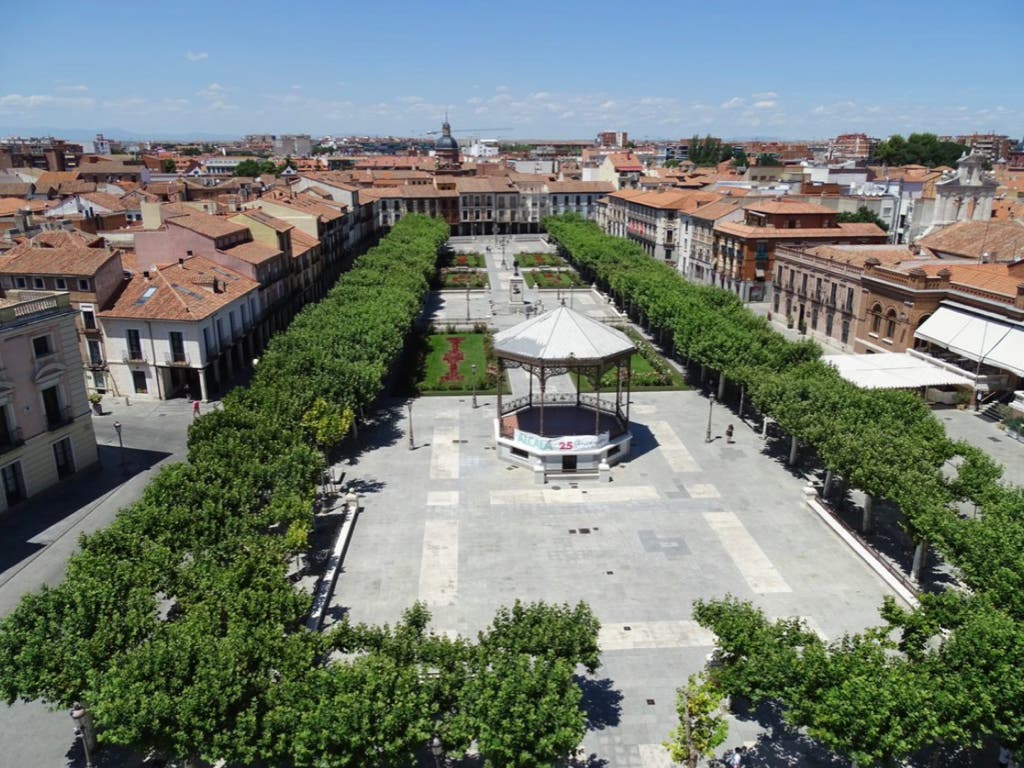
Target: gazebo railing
{"points": [[603, 404]]}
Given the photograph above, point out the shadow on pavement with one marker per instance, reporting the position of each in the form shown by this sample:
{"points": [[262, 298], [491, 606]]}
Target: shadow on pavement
{"points": [[602, 702], [25, 522]]}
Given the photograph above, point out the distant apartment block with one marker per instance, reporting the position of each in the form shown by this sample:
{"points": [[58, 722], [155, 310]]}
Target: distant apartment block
{"points": [[46, 431], [298, 145], [613, 139]]}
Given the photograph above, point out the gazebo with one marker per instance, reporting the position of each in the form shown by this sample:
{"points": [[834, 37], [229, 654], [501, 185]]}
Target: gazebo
{"points": [[564, 432]]}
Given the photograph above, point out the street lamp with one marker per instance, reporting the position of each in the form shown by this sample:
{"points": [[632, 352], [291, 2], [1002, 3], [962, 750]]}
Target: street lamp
{"points": [[120, 442], [467, 301], [711, 405], [437, 750], [412, 442], [473, 369], [83, 728]]}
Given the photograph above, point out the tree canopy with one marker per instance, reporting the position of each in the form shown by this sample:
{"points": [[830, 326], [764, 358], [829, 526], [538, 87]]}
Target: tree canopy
{"points": [[863, 215], [918, 149]]}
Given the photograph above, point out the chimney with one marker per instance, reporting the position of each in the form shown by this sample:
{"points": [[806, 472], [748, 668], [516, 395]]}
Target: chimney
{"points": [[181, 263], [145, 274]]}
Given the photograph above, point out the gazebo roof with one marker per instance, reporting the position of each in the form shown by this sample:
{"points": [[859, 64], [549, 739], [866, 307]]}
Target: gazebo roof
{"points": [[564, 337]]}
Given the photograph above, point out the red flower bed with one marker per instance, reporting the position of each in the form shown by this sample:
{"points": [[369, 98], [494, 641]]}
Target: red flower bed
{"points": [[453, 357]]}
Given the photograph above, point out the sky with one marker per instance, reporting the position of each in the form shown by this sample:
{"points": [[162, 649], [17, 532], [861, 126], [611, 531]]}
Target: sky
{"points": [[555, 69]]}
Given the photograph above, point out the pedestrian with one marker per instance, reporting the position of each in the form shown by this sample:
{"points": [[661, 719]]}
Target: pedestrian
{"points": [[188, 395], [195, 408], [1004, 757], [736, 759], [728, 434]]}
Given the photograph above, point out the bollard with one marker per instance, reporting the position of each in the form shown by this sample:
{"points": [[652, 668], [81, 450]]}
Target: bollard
{"points": [[538, 473], [604, 472], [126, 400]]}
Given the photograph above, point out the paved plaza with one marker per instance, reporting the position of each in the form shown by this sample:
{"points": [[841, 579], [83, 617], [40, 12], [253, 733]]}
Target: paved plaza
{"points": [[448, 524]]}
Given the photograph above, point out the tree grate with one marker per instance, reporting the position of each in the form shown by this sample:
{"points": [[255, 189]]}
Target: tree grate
{"points": [[584, 530], [650, 702]]}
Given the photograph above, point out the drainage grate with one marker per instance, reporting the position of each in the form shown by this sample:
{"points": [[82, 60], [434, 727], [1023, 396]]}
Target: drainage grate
{"points": [[556, 487], [584, 530], [628, 628], [609, 573], [596, 528], [572, 530], [650, 702]]}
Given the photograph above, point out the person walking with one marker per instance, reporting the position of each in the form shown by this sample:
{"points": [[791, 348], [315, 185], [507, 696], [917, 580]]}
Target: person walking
{"points": [[195, 408]]}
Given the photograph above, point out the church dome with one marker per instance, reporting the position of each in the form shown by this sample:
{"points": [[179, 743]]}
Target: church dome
{"points": [[446, 142]]}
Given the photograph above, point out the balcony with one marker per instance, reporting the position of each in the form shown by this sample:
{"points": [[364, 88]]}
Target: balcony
{"points": [[96, 363], [92, 333], [59, 417], [11, 440], [134, 356], [177, 361]]}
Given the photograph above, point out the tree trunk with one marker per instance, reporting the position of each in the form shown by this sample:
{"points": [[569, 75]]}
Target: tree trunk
{"points": [[764, 428], [867, 523], [920, 556], [828, 484], [794, 444], [721, 388], [743, 393]]}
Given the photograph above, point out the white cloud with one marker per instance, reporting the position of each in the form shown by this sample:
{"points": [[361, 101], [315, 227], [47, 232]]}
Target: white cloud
{"points": [[501, 88], [212, 91], [768, 104], [541, 95], [474, 100], [193, 56], [732, 103], [16, 102], [410, 99], [607, 104], [72, 88], [765, 95]]}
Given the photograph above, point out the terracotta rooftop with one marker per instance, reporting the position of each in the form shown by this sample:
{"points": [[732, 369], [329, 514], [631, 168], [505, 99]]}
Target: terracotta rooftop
{"points": [[806, 233], [301, 242], [856, 255], [253, 252], [788, 207], [12, 205], [60, 238], [52, 179], [492, 184], [266, 219], [579, 187], [675, 200], [108, 168], [104, 200], [206, 225], [304, 204], [180, 292], [1004, 240], [76, 261], [997, 278], [716, 210]]}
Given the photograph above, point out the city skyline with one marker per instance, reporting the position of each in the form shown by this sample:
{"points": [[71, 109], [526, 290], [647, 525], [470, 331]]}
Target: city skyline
{"points": [[789, 71]]}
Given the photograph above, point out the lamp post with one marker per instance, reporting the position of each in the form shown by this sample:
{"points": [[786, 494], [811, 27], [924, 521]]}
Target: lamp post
{"points": [[83, 729], [711, 405], [473, 369], [120, 442], [467, 302], [412, 441], [437, 750]]}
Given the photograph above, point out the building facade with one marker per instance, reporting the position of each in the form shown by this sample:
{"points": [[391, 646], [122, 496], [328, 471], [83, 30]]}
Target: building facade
{"points": [[46, 432]]}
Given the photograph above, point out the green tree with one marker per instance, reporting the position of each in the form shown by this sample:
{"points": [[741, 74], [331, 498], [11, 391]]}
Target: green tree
{"points": [[863, 215], [740, 159], [326, 424], [701, 727], [167, 165], [768, 158], [249, 168]]}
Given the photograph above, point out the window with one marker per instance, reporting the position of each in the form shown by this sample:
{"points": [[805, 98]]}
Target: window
{"points": [[60, 283], [38, 283], [778, 275], [52, 407], [134, 344], [849, 299], [7, 430], [42, 346], [890, 323], [99, 381], [803, 284], [775, 302], [139, 382], [88, 317], [835, 289], [14, 483], [845, 332], [95, 353], [876, 318], [20, 282], [177, 347], [84, 284], [814, 319], [828, 323], [63, 458]]}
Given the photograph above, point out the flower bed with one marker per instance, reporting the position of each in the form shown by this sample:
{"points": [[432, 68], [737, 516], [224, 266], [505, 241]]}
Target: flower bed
{"points": [[461, 278], [539, 260], [550, 278], [467, 260], [448, 360]]}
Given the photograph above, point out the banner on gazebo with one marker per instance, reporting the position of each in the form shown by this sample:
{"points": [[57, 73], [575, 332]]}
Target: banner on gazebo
{"points": [[563, 443]]}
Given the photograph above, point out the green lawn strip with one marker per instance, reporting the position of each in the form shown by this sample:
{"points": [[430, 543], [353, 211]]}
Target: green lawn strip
{"points": [[460, 279], [435, 367], [541, 279], [539, 260], [467, 260]]}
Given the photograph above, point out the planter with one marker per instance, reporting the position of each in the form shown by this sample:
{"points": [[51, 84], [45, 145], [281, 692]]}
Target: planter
{"points": [[97, 409]]}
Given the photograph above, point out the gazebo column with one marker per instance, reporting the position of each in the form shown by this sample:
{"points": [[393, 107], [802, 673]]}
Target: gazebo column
{"points": [[629, 385], [530, 379], [501, 378], [543, 383], [597, 402]]}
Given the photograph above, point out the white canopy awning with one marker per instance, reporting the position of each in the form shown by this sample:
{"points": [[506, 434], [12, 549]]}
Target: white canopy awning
{"points": [[894, 370], [976, 337]]}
